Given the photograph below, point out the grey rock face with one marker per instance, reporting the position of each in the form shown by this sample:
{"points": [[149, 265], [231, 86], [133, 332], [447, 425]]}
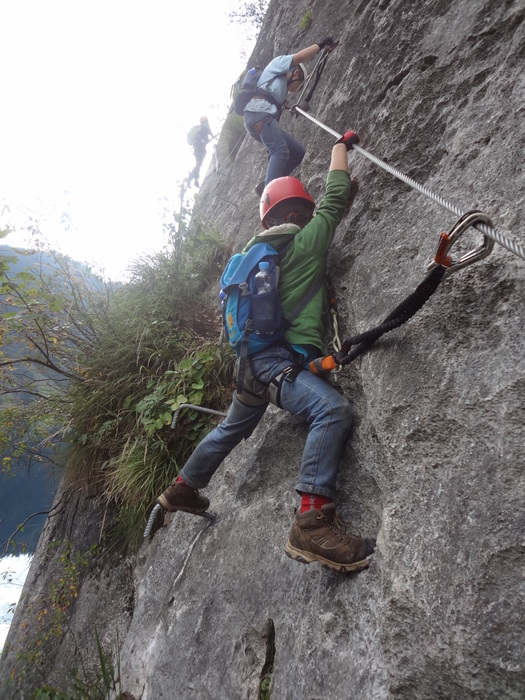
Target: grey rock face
{"points": [[434, 465]]}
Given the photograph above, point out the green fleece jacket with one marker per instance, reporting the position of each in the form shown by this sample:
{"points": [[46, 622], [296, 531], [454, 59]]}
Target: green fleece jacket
{"points": [[304, 262]]}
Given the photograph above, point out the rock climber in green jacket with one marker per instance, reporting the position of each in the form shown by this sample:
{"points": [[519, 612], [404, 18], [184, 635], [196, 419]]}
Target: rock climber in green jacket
{"points": [[279, 373]]}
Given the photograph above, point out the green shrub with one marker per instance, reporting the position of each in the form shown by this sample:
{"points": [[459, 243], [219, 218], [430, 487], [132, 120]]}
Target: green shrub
{"points": [[232, 134], [122, 358], [306, 20], [157, 347]]}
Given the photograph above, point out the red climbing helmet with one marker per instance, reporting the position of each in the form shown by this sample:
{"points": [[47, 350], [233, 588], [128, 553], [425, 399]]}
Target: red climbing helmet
{"points": [[285, 200]]}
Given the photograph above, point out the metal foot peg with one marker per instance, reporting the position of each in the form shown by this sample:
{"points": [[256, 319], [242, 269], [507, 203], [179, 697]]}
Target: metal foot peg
{"points": [[158, 513]]}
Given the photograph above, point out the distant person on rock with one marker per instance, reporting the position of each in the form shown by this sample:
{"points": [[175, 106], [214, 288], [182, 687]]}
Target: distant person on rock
{"points": [[262, 113], [199, 137], [318, 533]]}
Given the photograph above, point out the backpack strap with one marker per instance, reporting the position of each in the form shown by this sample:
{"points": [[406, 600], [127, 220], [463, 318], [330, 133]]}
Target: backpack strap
{"points": [[263, 95], [243, 357], [249, 260], [301, 306]]}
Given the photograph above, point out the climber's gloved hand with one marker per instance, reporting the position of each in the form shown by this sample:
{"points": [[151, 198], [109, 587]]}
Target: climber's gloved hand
{"points": [[325, 42], [349, 139]]}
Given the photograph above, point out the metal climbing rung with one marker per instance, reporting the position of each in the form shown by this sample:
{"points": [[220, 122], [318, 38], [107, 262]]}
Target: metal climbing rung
{"points": [[447, 240], [207, 515], [195, 408], [158, 507], [147, 531]]}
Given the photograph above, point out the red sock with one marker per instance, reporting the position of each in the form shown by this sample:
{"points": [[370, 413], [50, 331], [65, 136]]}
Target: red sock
{"points": [[312, 501], [180, 480]]}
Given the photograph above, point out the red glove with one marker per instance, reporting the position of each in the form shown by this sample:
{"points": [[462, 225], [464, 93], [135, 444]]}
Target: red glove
{"points": [[349, 139]]}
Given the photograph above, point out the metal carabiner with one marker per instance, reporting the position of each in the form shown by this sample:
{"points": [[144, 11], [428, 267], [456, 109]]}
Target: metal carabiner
{"points": [[447, 240]]}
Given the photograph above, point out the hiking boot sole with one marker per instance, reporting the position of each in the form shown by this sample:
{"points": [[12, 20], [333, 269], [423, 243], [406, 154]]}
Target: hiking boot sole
{"points": [[259, 188], [307, 558], [186, 509]]}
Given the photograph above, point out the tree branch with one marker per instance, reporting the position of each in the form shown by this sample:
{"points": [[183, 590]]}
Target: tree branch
{"points": [[20, 527], [42, 363]]}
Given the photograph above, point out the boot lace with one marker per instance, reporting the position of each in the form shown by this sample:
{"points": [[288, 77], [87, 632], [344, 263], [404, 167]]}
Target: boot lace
{"points": [[338, 526]]}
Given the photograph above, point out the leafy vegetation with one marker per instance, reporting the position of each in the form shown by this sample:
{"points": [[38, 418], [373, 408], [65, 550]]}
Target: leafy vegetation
{"points": [[306, 20], [96, 370], [100, 683], [250, 13], [232, 134]]}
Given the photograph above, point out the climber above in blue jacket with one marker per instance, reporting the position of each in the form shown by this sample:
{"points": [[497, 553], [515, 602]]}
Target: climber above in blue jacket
{"points": [[261, 116]]}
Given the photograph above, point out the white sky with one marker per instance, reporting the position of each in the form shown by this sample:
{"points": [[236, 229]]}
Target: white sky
{"points": [[96, 100]]}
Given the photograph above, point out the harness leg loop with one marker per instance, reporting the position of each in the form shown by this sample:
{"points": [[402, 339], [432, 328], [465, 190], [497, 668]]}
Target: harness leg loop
{"points": [[289, 375]]}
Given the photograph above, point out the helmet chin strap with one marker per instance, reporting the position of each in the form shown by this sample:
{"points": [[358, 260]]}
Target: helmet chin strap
{"points": [[295, 80]]}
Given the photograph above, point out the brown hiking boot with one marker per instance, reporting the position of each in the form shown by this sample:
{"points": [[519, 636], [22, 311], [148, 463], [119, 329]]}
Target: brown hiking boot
{"points": [[181, 497], [320, 535]]}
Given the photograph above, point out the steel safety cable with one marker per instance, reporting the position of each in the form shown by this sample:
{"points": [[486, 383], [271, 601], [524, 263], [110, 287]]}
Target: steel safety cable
{"points": [[489, 231]]}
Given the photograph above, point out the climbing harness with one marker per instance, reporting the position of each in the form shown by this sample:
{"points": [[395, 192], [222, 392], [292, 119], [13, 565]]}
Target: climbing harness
{"points": [[487, 230], [288, 374], [442, 266]]}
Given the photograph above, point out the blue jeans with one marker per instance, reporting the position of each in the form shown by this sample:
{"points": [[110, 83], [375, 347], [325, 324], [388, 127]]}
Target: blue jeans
{"points": [[309, 397], [286, 153]]}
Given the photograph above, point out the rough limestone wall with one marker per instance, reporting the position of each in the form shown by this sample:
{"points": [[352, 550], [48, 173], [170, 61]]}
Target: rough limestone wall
{"points": [[434, 466]]}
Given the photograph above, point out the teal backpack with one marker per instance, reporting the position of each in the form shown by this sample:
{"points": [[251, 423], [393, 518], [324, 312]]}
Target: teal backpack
{"points": [[245, 313], [241, 324]]}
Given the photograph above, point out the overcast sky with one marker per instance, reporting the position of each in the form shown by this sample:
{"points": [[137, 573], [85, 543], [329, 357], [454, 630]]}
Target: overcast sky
{"points": [[97, 98]]}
